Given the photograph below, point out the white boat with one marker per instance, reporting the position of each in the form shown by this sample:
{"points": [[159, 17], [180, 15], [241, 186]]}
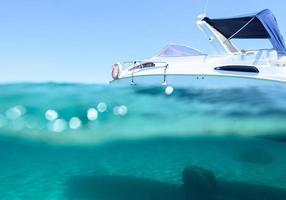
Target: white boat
{"points": [[182, 66]]}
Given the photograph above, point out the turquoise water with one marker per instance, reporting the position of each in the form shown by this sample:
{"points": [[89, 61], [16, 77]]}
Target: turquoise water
{"points": [[72, 141]]}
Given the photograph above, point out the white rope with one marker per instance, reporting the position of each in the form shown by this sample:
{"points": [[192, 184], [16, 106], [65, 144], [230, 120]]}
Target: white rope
{"points": [[241, 28]]}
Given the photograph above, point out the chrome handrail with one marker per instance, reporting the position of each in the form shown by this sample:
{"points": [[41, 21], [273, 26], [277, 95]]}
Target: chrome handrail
{"points": [[139, 66], [132, 64]]}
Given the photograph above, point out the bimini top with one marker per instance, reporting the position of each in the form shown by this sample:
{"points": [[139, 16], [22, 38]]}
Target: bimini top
{"points": [[261, 25], [175, 50]]}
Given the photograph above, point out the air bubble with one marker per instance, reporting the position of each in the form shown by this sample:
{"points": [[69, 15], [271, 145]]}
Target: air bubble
{"points": [[169, 90], [58, 125], [15, 112], [75, 123], [101, 107], [120, 110], [92, 114], [51, 115]]}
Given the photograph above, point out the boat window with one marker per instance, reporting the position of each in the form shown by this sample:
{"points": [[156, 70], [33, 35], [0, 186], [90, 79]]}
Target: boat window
{"points": [[250, 45], [149, 64], [238, 68], [143, 65]]}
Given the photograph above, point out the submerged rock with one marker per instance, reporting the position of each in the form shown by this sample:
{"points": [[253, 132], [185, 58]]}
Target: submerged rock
{"points": [[121, 188], [255, 156], [199, 183]]}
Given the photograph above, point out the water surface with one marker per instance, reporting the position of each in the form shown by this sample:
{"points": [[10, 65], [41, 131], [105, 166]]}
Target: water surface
{"points": [[72, 141]]}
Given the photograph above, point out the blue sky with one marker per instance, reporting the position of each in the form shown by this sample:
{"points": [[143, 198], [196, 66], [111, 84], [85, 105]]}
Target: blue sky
{"points": [[79, 40]]}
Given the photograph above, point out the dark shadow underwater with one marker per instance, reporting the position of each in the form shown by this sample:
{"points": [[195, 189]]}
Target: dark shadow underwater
{"points": [[198, 184]]}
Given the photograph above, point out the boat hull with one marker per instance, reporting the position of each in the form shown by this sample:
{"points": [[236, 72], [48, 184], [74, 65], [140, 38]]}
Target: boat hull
{"points": [[198, 81]]}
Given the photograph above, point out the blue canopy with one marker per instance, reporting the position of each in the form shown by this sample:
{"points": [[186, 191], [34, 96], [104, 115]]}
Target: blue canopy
{"points": [[261, 25]]}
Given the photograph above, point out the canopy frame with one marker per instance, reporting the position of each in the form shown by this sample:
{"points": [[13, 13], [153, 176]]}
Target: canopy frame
{"points": [[261, 25]]}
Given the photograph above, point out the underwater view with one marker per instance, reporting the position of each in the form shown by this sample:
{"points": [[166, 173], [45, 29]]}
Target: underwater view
{"points": [[76, 141]]}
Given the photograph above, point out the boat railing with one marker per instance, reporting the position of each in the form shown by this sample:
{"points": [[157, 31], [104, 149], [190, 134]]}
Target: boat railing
{"points": [[139, 66]]}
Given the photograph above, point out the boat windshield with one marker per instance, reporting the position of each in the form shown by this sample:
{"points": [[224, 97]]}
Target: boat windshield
{"points": [[178, 51]]}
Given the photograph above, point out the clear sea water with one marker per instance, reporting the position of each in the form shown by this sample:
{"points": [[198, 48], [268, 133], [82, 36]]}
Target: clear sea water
{"points": [[73, 141]]}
